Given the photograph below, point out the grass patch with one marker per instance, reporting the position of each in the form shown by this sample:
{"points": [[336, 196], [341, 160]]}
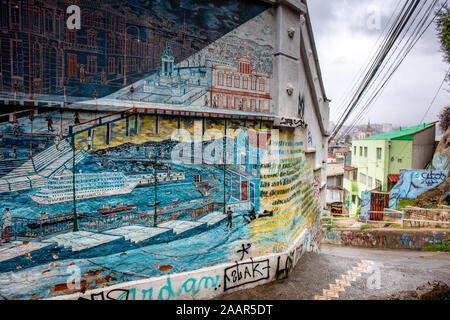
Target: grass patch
{"points": [[364, 226], [444, 247], [336, 227], [404, 203]]}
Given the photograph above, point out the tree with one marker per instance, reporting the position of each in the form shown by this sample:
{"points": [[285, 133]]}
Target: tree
{"points": [[443, 29], [444, 119]]}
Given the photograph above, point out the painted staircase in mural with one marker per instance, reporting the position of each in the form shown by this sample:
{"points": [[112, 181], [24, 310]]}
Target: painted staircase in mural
{"points": [[86, 244], [34, 173]]}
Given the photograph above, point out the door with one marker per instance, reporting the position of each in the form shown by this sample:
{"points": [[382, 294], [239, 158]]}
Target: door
{"points": [[243, 190]]}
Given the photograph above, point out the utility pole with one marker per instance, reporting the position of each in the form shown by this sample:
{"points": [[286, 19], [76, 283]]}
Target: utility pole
{"points": [[155, 177], [75, 218]]}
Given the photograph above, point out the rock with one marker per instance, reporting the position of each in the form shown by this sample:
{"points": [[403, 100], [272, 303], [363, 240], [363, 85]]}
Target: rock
{"points": [[434, 290]]}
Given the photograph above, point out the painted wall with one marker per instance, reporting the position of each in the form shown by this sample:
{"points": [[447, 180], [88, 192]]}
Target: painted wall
{"points": [[392, 239], [423, 148], [412, 183], [152, 151]]}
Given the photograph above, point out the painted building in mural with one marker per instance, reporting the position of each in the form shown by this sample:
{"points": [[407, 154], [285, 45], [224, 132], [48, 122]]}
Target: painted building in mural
{"points": [[148, 143], [378, 160]]}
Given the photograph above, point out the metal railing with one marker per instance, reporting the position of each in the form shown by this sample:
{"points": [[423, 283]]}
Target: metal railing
{"points": [[380, 215]]}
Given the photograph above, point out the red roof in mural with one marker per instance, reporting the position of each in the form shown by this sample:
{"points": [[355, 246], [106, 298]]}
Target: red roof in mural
{"points": [[349, 168], [393, 177]]}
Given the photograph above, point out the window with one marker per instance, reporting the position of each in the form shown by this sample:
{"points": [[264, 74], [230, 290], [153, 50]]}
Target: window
{"points": [[354, 151], [113, 24], [71, 65], [112, 44], [369, 182], [353, 175], [92, 64], [253, 83], [262, 85], [37, 60], [245, 83], [220, 79], [378, 184], [362, 178], [17, 58], [379, 153], [111, 65], [36, 18], [229, 80], [354, 199], [237, 81], [91, 39], [360, 151], [71, 36], [15, 15], [365, 152], [99, 20]]}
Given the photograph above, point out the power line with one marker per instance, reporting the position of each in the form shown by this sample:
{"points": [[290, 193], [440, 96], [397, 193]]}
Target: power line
{"points": [[380, 58], [403, 52]]}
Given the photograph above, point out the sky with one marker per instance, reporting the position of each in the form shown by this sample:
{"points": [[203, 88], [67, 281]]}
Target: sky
{"points": [[346, 32]]}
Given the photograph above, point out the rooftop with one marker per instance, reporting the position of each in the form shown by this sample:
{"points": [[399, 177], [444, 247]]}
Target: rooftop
{"points": [[335, 169], [402, 133]]}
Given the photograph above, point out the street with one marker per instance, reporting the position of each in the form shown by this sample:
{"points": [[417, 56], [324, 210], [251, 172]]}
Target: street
{"points": [[375, 273]]}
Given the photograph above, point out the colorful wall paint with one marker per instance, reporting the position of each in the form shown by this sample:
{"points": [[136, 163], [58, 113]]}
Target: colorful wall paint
{"points": [[395, 239], [412, 183], [365, 205], [142, 154]]}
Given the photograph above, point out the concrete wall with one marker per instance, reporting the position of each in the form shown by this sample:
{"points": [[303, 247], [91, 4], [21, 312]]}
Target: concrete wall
{"points": [[386, 238], [207, 282], [423, 148]]}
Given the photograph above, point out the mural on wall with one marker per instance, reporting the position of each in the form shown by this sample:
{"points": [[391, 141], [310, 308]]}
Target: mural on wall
{"points": [[215, 55], [365, 205], [413, 183], [154, 178]]}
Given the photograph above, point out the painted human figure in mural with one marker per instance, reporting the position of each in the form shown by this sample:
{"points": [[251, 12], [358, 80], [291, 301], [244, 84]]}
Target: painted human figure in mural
{"points": [[77, 118], [82, 76], [16, 130], [103, 77], [6, 220], [229, 218], [14, 153], [250, 216], [49, 124]]}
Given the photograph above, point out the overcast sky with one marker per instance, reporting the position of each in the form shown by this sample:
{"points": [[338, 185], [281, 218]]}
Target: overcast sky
{"points": [[345, 42]]}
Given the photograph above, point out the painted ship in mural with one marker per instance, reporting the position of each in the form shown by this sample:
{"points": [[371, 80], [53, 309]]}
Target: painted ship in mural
{"points": [[87, 185]]}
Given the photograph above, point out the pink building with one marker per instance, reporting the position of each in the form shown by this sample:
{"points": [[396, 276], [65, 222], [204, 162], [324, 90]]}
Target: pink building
{"points": [[241, 88]]}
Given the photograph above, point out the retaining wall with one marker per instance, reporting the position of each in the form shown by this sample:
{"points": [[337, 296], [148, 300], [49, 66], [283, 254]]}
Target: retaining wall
{"points": [[207, 283], [384, 238]]}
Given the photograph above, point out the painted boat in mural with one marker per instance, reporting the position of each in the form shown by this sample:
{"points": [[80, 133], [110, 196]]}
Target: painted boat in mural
{"points": [[118, 208], [51, 221], [147, 180], [87, 185]]}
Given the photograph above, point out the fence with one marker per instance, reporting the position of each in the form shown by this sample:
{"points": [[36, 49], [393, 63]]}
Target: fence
{"points": [[398, 217], [38, 228]]}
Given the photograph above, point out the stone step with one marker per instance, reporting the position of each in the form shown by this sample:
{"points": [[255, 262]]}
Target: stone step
{"points": [[23, 254], [82, 240], [142, 235], [184, 228], [213, 218]]}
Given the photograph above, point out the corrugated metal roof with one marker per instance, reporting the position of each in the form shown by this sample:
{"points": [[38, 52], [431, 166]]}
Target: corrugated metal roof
{"points": [[401, 134], [394, 177]]}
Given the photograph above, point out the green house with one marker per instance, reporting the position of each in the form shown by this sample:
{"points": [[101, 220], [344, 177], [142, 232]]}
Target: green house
{"points": [[377, 160]]}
